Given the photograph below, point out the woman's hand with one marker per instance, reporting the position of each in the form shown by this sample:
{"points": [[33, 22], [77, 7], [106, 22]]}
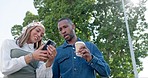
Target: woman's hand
{"points": [[45, 55], [51, 53], [40, 55]]}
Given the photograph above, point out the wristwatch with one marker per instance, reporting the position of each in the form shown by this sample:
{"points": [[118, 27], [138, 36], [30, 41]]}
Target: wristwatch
{"points": [[30, 56]]}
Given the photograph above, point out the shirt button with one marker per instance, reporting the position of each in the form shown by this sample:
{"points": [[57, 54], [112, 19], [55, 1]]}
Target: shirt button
{"points": [[75, 69], [74, 57]]}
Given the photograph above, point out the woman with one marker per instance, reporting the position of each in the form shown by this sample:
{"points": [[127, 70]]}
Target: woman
{"points": [[24, 57]]}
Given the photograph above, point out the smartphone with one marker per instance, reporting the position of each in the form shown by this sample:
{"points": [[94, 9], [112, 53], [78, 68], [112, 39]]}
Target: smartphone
{"points": [[49, 42]]}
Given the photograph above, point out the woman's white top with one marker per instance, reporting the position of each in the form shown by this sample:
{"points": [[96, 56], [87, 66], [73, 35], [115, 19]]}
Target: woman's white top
{"points": [[10, 65]]}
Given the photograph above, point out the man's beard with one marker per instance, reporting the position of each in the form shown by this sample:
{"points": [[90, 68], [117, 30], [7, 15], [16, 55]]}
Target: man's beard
{"points": [[71, 37]]}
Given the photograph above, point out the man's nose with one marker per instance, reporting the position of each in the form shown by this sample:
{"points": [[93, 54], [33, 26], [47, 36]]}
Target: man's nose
{"points": [[63, 31]]}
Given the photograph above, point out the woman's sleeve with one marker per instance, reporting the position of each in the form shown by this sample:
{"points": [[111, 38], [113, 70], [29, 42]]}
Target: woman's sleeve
{"points": [[43, 72], [10, 65]]}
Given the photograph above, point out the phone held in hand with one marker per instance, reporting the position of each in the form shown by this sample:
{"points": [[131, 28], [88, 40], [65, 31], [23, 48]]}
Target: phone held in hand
{"points": [[49, 42]]}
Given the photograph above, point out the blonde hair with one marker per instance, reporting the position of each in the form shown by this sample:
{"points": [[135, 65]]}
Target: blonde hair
{"points": [[26, 34]]}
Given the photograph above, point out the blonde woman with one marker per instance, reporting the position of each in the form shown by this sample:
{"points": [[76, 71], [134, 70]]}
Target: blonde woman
{"points": [[24, 57]]}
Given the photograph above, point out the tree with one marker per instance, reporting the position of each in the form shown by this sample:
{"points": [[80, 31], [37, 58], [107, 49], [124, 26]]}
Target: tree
{"points": [[102, 22], [16, 30]]}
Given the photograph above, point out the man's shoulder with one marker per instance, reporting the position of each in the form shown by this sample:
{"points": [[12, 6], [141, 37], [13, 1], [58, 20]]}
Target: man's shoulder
{"points": [[88, 43]]}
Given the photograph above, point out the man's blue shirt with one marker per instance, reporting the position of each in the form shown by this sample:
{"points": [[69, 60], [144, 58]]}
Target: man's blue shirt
{"points": [[68, 65]]}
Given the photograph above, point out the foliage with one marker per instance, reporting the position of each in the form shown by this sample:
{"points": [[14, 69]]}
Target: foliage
{"points": [[16, 31], [30, 18], [102, 22]]}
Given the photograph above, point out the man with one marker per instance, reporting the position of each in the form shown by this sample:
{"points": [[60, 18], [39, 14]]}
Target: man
{"points": [[68, 65]]}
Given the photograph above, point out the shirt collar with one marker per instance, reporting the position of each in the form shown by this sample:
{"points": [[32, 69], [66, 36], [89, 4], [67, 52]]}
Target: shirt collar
{"points": [[65, 44], [30, 46]]}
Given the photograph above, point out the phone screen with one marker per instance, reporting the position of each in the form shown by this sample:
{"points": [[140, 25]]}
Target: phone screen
{"points": [[50, 42]]}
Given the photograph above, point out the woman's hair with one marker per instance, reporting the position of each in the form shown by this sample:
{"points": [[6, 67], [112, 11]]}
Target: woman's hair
{"points": [[26, 34]]}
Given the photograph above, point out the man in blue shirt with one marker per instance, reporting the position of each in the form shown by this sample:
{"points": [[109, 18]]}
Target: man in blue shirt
{"points": [[68, 65]]}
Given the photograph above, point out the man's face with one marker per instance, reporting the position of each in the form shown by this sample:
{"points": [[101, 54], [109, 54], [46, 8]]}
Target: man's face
{"points": [[66, 30]]}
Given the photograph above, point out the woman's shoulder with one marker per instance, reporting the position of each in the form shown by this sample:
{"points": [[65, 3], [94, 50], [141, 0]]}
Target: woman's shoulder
{"points": [[9, 42]]}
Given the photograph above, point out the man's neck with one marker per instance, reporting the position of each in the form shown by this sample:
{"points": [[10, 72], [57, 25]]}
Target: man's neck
{"points": [[72, 41]]}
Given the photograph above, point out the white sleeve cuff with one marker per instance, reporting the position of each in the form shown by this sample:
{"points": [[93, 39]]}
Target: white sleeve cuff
{"points": [[44, 72], [46, 68], [22, 61]]}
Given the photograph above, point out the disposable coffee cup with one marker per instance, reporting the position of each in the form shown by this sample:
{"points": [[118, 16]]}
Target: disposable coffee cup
{"points": [[78, 44]]}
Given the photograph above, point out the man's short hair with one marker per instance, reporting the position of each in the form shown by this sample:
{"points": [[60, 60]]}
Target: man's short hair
{"points": [[65, 18]]}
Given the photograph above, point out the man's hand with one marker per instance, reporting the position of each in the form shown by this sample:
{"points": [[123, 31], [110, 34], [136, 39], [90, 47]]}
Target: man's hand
{"points": [[84, 51]]}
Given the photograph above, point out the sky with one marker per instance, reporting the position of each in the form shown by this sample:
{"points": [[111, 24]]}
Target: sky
{"points": [[13, 12]]}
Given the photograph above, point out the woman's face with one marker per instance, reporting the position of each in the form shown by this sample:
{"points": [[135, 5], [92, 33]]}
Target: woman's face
{"points": [[36, 34]]}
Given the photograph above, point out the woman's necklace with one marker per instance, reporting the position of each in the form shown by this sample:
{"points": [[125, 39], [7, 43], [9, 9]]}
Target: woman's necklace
{"points": [[30, 46]]}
